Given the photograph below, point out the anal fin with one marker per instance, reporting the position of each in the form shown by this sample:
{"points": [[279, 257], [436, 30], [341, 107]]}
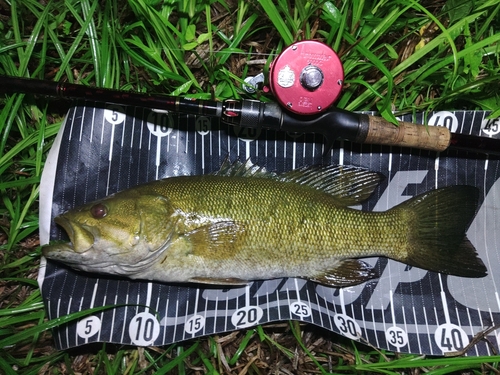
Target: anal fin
{"points": [[349, 272]]}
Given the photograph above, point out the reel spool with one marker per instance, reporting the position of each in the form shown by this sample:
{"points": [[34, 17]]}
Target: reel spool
{"points": [[307, 77]]}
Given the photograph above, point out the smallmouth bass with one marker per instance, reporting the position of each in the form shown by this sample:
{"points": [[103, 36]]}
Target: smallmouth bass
{"points": [[243, 223]]}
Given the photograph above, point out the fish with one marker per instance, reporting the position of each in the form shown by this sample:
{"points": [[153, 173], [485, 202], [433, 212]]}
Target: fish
{"points": [[244, 223]]}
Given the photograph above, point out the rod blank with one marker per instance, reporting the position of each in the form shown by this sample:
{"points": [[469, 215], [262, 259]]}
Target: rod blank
{"points": [[332, 124]]}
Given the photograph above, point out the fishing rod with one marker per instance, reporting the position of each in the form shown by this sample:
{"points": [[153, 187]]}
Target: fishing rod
{"points": [[306, 79]]}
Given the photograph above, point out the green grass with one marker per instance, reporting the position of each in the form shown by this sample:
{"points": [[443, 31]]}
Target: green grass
{"points": [[401, 56]]}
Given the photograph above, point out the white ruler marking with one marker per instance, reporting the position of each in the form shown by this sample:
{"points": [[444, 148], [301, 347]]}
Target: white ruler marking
{"points": [[226, 315], [103, 122], [203, 153], [110, 156], [472, 122], [384, 325], [341, 153], [165, 326], [113, 317], [247, 150], [247, 295], [125, 316], [157, 307], [313, 145], [416, 328], [195, 149], [92, 125], [102, 316], [94, 293], [288, 303], [342, 304], [185, 320], [111, 143], [319, 310], [497, 335], [210, 142], [219, 142], [428, 331], [134, 118], [276, 148], [497, 298], [175, 319], [59, 331], [393, 313], [404, 324], [436, 169], [297, 289], [279, 305], [376, 335], [358, 333], [195, 312], [141, 133], [442, 294], [267, 304], [158, 156], [469, 318], [123, 133], [363, 318], [309, 304], [67, 312], [205, 316], [215, 312], [462, 124], [71, 125], [149, 294]]}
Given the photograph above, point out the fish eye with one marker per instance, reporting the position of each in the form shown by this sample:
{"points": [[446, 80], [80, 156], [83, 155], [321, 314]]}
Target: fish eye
{"points": [[98, 211]]}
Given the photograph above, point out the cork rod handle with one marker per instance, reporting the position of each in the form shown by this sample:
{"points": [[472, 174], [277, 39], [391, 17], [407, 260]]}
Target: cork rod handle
{"points": [[376, 130]]}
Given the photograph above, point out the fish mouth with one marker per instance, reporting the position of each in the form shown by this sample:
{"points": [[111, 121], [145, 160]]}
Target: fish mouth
{"points": [[81, 238]]}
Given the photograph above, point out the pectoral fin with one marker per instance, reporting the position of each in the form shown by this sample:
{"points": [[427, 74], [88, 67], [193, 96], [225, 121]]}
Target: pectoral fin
{"points": [[217, 240], [349, 272]]}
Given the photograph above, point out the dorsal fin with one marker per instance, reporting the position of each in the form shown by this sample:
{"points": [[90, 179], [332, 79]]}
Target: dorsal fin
{"points": [[239, 169], [349, 185]]}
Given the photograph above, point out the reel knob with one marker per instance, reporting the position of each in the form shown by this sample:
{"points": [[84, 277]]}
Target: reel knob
{"points": [[311, 77], [306, 77]]}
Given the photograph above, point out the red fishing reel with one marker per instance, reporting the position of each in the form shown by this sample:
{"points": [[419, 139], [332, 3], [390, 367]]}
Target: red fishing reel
{"points": [[307, 77]]}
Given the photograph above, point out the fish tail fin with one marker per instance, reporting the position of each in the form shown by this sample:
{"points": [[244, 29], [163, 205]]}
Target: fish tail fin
{"points": [[440, 219]]}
